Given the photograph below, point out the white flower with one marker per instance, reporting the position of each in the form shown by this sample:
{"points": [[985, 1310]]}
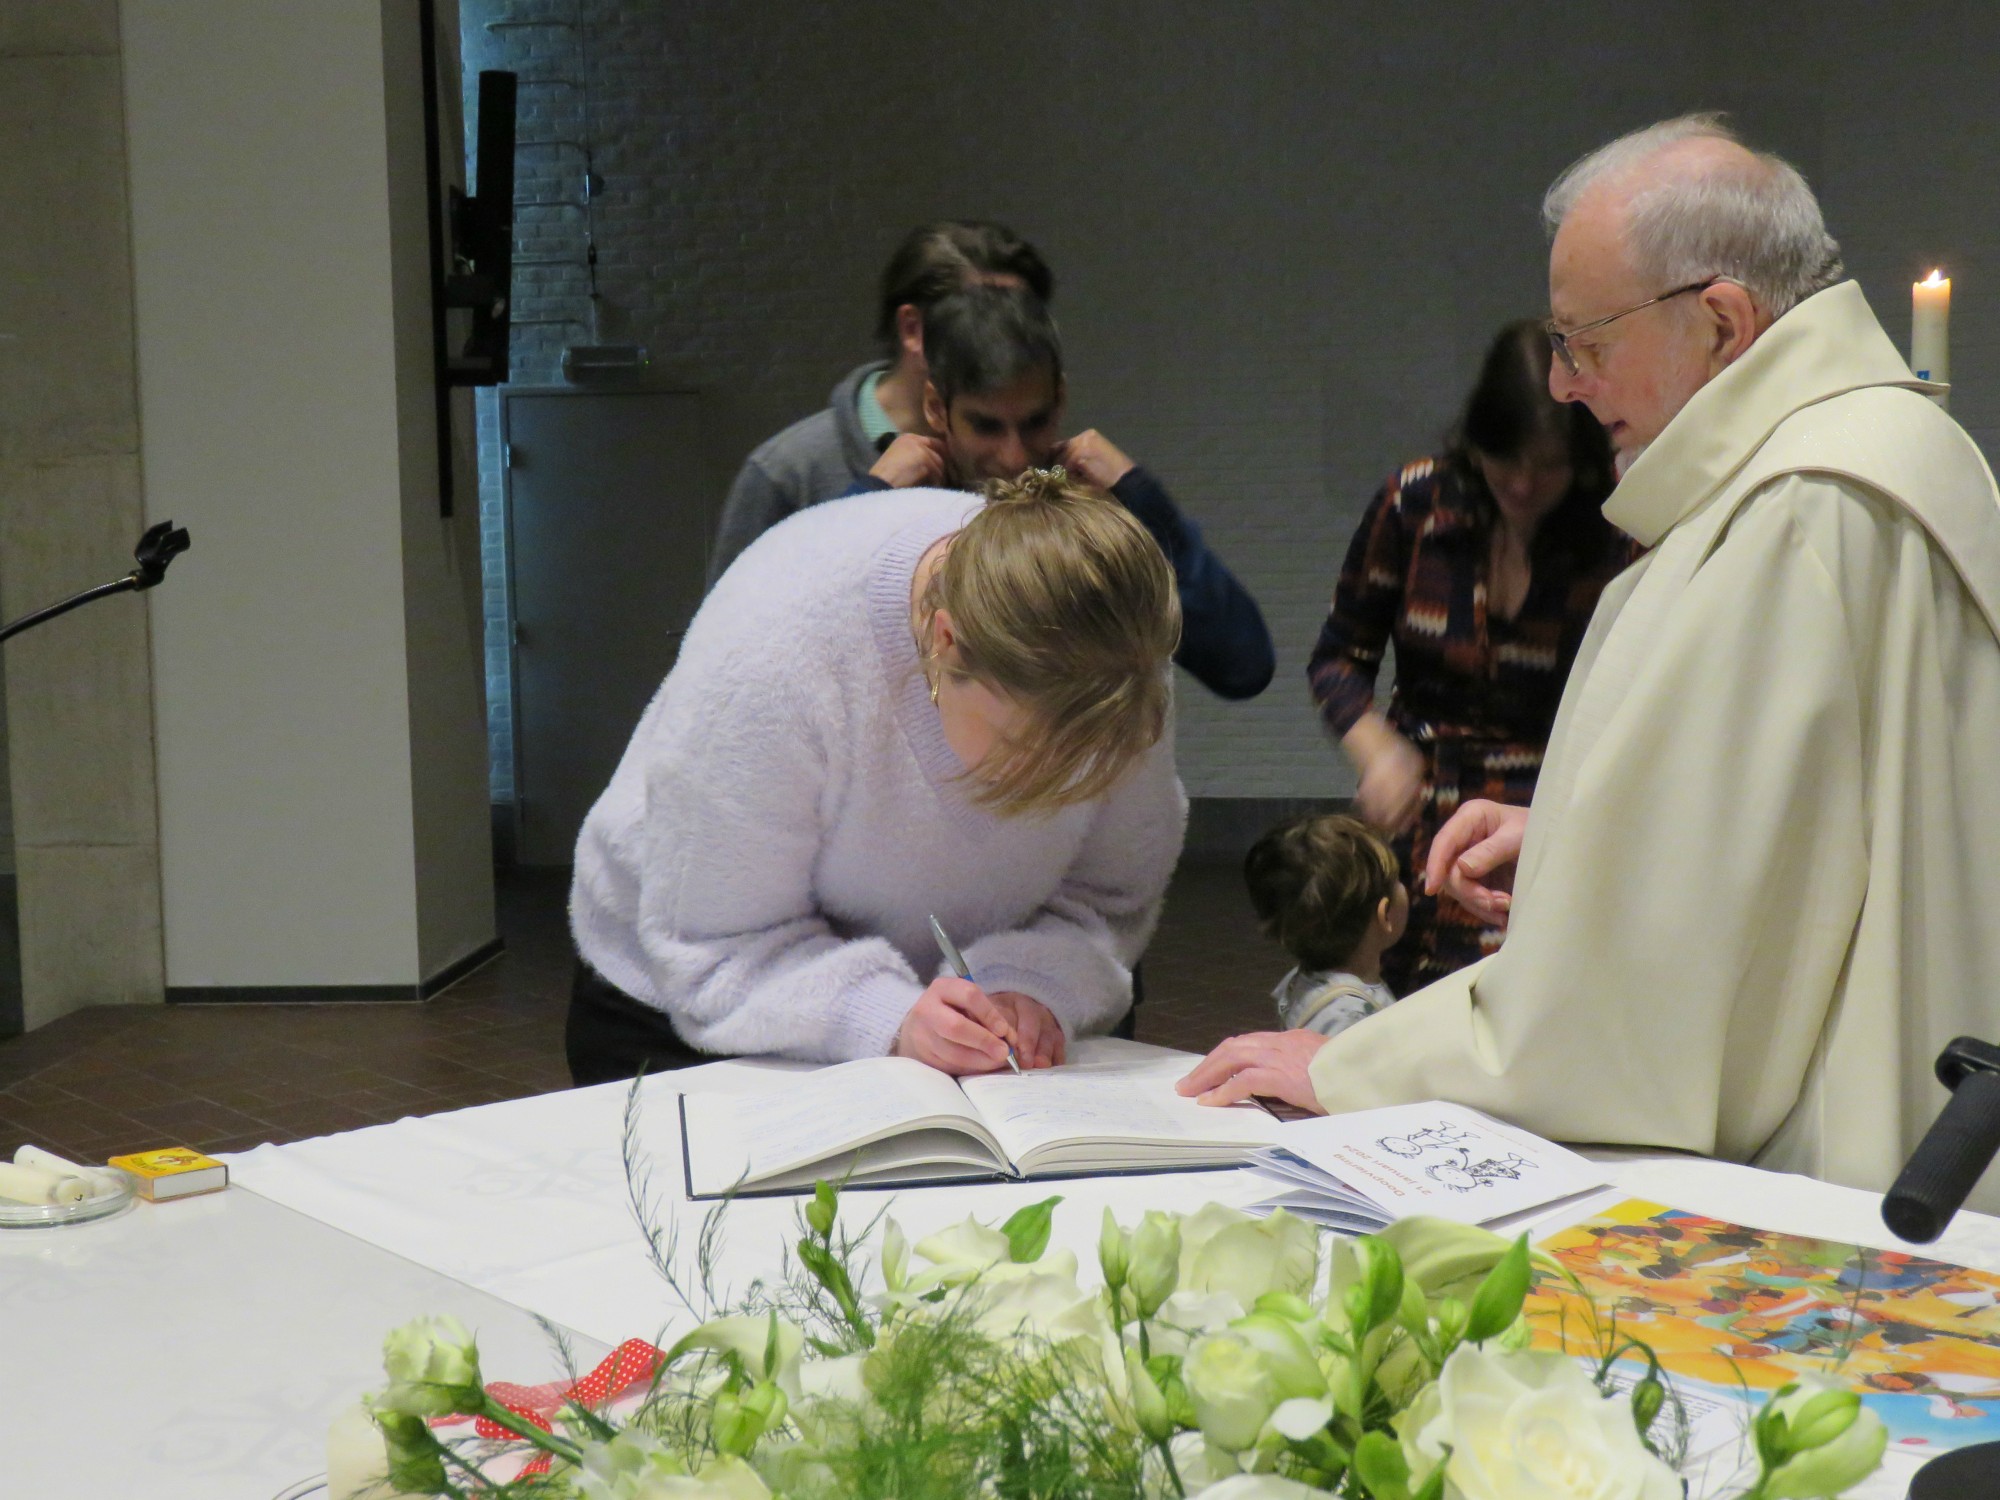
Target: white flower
{"points": [[637, 1466], [1198, 1462], [433, 1369], [1237, 1378], [1232, 1391], [960, 1254], [1226, 1250], [748, 1338], [1527, 1426], [895, 1256], [1832, 1454], [1155, 1260], [1042, 1301], [438, 1351], [1442, 1258], [1185, 1316], [834, 1379]]}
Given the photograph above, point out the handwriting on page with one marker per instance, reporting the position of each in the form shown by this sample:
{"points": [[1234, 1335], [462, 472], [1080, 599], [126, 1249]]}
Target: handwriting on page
{"points": [[1105, 1103]]}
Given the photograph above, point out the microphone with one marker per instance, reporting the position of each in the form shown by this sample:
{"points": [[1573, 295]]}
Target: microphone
{"points": [[1955, 1151], [161, 544]]}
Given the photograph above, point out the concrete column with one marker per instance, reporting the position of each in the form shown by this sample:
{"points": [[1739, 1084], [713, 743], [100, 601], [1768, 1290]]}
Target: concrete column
{"points": [[323, 810], [79, 690]]}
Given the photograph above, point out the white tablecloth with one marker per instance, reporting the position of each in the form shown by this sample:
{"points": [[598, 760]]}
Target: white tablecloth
{"points": [[198, 1350], [527, 1200]]}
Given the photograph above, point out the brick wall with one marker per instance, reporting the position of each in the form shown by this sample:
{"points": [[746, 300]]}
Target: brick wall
{"points": [[1282, 232]]}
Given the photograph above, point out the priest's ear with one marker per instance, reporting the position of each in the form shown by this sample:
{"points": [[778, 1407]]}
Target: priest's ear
{"points": [[1731, 321]]}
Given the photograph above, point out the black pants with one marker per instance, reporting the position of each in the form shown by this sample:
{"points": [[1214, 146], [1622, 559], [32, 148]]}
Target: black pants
{"points": [[610, 1036]]}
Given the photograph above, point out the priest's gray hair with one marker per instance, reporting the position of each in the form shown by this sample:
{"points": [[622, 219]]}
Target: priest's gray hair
{"points": [[1751, 219]]}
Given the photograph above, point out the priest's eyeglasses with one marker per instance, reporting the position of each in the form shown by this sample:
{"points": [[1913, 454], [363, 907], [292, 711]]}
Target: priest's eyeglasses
{"points": [[1559, 339]]}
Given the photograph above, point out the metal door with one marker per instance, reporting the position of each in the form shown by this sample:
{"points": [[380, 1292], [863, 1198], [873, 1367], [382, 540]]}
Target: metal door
{"points": [[611, 508]]}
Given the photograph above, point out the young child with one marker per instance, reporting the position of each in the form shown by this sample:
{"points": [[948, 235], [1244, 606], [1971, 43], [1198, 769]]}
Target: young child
{"points": [[1327, 889]]}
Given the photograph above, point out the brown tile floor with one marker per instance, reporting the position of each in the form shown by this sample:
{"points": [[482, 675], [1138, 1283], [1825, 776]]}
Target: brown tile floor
{"points": [[111, 1079]]}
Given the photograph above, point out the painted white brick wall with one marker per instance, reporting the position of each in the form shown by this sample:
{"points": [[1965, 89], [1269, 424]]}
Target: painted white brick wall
{"points": [[1282, 232]]}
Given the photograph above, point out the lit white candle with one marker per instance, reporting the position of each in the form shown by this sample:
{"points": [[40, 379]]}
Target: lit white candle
{"points": [[1930, 327]]}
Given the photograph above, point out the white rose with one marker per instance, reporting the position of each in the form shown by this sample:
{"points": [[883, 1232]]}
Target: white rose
{"points": [[1527, 1426], [1232, 1388], [436, 1351], [1226, 1250], [433, 1369]]}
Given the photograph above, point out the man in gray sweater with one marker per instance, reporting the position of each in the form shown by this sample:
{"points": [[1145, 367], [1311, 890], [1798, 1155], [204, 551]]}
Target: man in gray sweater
{"points": [[823, 455]]}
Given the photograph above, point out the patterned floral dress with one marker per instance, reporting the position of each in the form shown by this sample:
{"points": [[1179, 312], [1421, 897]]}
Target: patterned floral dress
{"points": [[1475, 692]]}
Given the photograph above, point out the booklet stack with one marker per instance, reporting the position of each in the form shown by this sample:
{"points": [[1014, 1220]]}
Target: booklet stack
{"points": [[1359, 1172]]}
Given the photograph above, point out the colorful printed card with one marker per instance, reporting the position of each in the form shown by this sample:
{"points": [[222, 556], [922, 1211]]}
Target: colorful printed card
{"points": [[1725, 1307]]}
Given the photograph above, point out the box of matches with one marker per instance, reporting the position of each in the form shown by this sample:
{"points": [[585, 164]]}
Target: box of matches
{"points": [[173, 1172]]}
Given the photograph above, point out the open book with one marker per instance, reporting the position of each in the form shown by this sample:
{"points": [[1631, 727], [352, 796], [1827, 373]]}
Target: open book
{"points": [[891, 1121], [1359, 1172]]}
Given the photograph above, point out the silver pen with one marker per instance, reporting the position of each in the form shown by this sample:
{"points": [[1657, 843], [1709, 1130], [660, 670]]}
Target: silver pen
{"points": [[956, 961]]}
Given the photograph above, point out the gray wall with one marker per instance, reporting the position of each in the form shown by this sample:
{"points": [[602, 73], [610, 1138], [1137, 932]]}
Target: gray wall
{"points": [[80, 746], [1282, 231]]}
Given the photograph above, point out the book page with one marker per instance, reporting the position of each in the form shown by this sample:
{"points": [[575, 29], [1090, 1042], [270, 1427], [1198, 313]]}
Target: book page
{"points": [[1111, 1114], [1439, 1159], [820, 1118]]}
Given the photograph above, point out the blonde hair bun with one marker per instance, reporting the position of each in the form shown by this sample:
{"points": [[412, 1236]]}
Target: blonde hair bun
{"points": [[1044, 486]]}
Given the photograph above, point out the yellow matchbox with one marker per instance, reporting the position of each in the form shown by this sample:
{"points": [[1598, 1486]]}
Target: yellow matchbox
{"points": [[173, 1172]]}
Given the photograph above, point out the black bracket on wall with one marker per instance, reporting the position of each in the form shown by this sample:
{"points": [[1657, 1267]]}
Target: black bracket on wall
{"points": [[472, 248]]}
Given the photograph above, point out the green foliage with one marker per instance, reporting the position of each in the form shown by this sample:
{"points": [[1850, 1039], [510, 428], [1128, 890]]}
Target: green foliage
{"points": [[1028, 1231], [1498, 1301]]}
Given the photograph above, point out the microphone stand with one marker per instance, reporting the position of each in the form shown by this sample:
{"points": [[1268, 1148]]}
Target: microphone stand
{"points": [[159, 546], [1948, 1161]]}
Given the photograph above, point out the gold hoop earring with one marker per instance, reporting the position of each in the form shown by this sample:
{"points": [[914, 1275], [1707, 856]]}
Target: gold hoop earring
{"points": [[934, 688]]}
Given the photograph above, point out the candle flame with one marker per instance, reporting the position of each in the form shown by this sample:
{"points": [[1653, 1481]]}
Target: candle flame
{"points": [[1936, 278]]}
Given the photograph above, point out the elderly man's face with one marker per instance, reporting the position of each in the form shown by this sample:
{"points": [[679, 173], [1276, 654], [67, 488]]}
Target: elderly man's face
{"points": [[1634, 374]]}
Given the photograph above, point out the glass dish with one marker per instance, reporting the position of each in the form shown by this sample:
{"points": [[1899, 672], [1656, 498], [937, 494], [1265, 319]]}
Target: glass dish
{"points": [[102, 1205]]}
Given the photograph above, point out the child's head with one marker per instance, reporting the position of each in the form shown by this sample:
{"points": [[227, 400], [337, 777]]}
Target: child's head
{"points": [[1324, 887]]}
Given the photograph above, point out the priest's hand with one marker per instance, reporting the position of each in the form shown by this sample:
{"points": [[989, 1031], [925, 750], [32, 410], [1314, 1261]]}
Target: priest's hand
{"points": [[911, 460], [1472, 858], [1270, 1063]]}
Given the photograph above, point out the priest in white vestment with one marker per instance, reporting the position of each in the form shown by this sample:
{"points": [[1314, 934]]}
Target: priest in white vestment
{"points": [[1758, 890]]}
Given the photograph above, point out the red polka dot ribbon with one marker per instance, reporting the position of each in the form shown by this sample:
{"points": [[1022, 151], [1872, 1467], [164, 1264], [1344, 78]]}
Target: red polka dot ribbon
{"points": [[631, 1363]]}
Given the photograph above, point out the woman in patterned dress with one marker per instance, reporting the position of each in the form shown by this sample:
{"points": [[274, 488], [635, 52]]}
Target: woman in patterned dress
{"points": [[1482, 565]]}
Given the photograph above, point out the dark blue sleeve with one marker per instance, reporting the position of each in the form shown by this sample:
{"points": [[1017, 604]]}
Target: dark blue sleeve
{"points": [[1225, 644], [867, 484]]}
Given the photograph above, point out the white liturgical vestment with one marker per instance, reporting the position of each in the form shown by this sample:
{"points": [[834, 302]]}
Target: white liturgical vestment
{"points": [[1761, 884]]}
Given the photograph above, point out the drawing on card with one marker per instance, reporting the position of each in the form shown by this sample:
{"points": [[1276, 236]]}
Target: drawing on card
{"points": [[1441, 1137], [1464, 1175]]}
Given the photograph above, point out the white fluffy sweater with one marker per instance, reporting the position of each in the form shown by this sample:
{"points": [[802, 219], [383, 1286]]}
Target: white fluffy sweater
{"points": [[788, 814]]}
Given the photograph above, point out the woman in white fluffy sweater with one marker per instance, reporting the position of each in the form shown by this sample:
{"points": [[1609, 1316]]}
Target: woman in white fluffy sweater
{"points": [[889, 707]]}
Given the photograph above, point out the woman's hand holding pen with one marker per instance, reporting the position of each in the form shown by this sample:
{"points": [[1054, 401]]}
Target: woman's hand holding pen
{"points": [[958, 1028]]}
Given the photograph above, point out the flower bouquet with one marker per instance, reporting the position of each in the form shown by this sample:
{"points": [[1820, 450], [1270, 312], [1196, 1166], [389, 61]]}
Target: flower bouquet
{"points": [[1219, 1355]]}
